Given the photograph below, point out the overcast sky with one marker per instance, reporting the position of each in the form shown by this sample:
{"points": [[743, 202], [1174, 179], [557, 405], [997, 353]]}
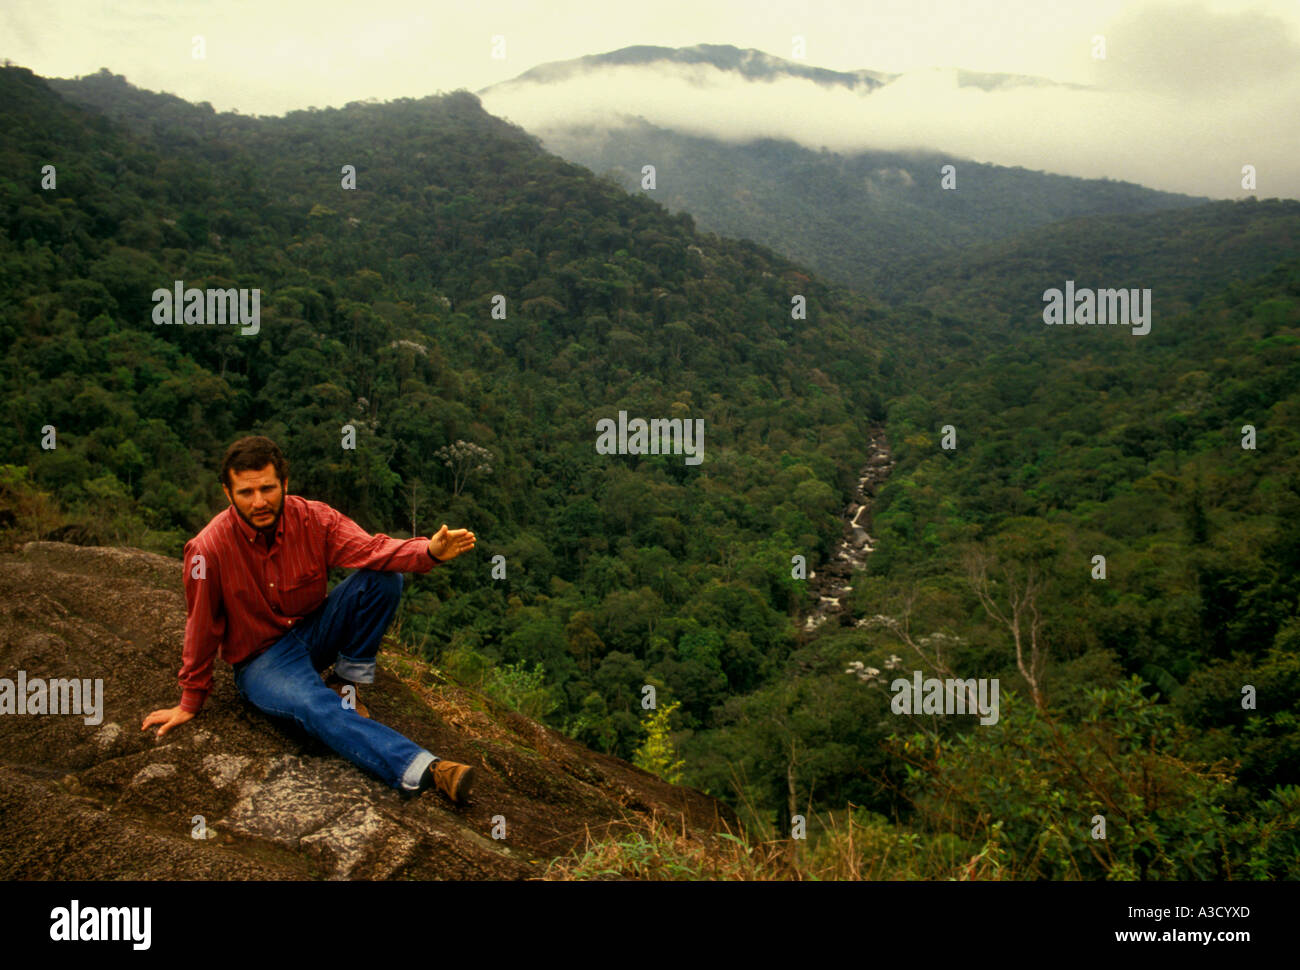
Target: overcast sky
{"points": [[1187, 94]]}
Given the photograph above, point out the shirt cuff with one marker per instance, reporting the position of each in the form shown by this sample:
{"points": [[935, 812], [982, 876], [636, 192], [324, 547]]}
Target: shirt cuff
{"points": [[436, 560], [192, 700]]}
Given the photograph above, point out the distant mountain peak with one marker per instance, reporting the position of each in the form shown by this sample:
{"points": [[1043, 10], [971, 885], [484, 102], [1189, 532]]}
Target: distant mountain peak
{"points": [[752, 64]]}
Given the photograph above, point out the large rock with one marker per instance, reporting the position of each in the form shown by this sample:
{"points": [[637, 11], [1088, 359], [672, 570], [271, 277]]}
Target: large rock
{"points": [[108, 801]]}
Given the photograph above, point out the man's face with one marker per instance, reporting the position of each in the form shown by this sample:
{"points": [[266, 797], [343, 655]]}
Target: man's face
{"points": [[257, 496]]}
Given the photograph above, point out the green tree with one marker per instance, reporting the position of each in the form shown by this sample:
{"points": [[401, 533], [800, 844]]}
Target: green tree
{"points": [[657, 754]]}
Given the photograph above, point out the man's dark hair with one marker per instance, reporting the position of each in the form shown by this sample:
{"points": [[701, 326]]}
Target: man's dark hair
{"points": [[251, 454]]}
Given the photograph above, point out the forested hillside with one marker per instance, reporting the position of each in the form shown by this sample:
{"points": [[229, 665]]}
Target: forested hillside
{"points": [[376, 313], [860, 219], [1024, 452], [1182, 256], [1069, 444]]}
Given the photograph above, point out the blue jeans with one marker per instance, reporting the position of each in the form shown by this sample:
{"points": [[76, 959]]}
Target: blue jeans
{"points": [[284, 679]]}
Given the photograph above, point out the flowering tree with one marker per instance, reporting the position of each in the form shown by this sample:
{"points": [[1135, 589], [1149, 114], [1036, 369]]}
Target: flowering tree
{"points": [[464, 458]]}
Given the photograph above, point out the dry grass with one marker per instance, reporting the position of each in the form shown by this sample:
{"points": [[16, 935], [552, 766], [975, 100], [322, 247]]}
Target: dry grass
{"points": [[857, 848], [657, 848]]}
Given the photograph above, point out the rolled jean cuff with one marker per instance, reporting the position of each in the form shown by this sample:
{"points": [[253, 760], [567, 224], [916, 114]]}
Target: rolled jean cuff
{"points": [[357, 671], [415, 770]]}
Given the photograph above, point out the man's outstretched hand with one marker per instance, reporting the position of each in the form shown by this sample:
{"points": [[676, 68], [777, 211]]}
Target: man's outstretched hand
{"points": [[449, 543], [168, 717]]}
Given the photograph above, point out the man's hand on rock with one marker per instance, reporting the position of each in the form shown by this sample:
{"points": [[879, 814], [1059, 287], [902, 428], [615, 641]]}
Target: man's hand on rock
{"points": [[168, 717], [449, 543]]}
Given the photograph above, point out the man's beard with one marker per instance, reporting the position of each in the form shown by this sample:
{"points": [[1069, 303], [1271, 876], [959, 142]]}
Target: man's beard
{"points": [[269, 525]]}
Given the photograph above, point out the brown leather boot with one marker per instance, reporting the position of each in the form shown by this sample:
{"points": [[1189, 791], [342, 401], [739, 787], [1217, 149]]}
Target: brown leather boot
{"points": [[336, 684], [452, 779]]}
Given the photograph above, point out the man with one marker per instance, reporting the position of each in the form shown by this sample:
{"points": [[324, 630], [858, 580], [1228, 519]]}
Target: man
{"points": [[255, 587]]}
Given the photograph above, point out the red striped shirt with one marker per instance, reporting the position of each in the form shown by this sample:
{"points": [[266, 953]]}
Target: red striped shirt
{"points": [[245, 592]]}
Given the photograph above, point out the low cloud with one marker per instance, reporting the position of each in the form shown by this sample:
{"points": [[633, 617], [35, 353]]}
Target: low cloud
{"points": [[1183, 100]]}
